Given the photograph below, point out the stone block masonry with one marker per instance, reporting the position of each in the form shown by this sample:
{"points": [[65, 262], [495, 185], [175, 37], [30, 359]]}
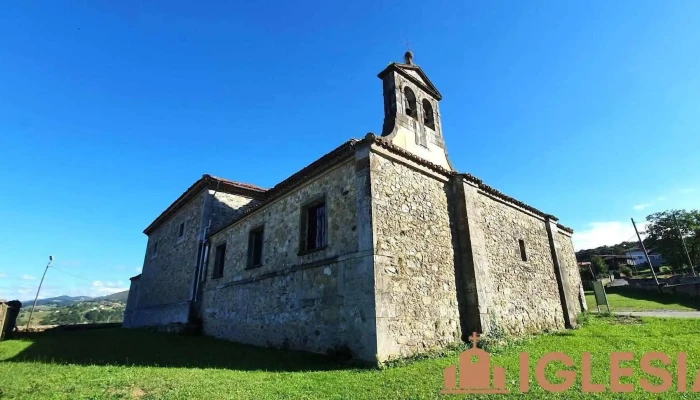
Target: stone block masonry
{"points": [[415, 257], [407, 255], [318, 301], [162, 294], [414, 267]]}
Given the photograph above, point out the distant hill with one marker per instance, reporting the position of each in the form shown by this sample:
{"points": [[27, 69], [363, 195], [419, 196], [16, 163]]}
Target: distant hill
{"points": [[57, 301], [61, 301], [119, 296]]}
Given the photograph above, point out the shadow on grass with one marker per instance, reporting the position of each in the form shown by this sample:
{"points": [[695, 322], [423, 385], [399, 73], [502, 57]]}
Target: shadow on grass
{"points": [[136, 347], [665, 298]]}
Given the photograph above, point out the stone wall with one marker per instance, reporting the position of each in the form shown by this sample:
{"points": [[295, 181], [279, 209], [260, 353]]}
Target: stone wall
{"points": [[414, 267], [523, 295], [570, 271], [169, 274], [3, 318], [226, 207], [131, 302], [315, 301]]}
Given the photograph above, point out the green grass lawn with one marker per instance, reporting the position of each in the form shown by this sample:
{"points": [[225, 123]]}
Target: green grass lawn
{"points": [[120, 363], [625, 299]]}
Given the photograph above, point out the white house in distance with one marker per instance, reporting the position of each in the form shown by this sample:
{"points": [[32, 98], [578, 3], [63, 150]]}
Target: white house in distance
{"points": [[657, 260]]}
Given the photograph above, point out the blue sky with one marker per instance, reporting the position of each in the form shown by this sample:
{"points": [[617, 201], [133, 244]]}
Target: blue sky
{"points": [[108, 111]]}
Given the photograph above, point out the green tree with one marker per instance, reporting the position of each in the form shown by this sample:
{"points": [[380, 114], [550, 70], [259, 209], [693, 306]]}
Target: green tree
{"points": [[599, 266], [663, 235], [626, 270], [92, 315]]}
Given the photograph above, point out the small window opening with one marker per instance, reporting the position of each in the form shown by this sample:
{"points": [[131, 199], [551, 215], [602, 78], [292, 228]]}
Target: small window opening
{"points": [[523, 255], [181, 230]]}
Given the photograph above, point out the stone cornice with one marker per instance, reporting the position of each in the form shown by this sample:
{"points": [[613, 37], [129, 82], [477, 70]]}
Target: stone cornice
{"points": [[370, 137], [348, 148]]}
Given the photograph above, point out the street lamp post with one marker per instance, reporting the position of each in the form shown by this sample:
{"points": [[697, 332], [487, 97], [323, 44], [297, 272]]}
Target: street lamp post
{"points": [[37, 292]]}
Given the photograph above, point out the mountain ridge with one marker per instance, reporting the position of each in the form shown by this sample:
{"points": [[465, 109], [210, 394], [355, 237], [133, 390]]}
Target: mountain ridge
{"points": [[65, 300]]}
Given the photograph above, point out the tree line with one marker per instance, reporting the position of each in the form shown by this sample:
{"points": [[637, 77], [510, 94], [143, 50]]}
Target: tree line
{"points": [[663, 235]]}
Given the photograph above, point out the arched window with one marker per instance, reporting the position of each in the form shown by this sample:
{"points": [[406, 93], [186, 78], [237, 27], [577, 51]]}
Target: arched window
{"points": [[428, 115], [411, 109]]}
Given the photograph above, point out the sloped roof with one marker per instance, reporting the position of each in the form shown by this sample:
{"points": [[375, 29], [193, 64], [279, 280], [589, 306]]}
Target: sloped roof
{"points": [[209, 182], [347, 149], [414, 74]]}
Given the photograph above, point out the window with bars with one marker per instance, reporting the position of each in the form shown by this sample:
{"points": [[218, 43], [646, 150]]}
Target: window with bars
{"points": [[313, 226]]}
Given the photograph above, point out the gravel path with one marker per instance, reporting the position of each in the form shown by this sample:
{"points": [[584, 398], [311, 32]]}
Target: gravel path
{"points": [[661, 314]]}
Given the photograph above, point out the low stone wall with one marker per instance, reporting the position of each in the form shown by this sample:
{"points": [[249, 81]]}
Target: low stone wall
{"points": [[3, 316], [685, 286], [8, 317], [157, 315], [687, 290]]}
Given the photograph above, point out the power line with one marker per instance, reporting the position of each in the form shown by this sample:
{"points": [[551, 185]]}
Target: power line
{"points": [[74, 276]]}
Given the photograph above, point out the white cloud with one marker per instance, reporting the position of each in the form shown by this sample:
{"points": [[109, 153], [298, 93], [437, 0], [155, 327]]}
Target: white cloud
{"points": [[605, 233], [686, 190], [137, 270], [642, 206], [100, 288], [28, 277], [24, 290], [661, 198], [2, 275]]}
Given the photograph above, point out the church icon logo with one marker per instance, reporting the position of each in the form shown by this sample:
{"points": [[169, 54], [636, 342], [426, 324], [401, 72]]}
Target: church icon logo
{"points": [[474, 373]]}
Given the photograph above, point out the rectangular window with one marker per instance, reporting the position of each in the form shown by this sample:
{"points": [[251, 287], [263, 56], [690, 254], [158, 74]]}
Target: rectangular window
{"points": [[219, 259], [313, 226], [523, 255], [154, 249], [181, 231], [255, 247]]}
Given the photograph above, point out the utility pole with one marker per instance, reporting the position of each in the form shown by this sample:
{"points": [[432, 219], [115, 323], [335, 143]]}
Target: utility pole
{"points": [[641, 243], [690, 262], [37, 292]]}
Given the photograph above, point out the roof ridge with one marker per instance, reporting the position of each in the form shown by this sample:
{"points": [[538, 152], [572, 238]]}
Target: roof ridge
{"points": [[244, 185]]}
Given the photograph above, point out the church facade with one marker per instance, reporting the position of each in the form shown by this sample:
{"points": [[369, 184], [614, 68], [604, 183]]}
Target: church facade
{"points": [[379, 248]]}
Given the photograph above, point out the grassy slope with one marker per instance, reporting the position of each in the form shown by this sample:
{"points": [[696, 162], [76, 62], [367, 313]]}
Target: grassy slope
{"points": [[628, 299], [125, 364]]}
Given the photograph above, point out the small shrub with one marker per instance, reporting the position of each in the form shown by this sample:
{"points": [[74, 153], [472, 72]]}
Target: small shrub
{"points": [[626, 270], [583, 319]]}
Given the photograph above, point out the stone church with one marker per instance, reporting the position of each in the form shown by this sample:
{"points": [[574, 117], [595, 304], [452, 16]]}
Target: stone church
{"points": [[379, 247]]}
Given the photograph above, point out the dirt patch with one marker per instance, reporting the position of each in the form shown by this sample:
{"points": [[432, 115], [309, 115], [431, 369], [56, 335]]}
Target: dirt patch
{"points": [[627, 320], [130, 393]]}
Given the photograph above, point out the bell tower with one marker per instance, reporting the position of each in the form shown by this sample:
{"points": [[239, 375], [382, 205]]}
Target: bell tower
{"points": [[411, 112]]}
